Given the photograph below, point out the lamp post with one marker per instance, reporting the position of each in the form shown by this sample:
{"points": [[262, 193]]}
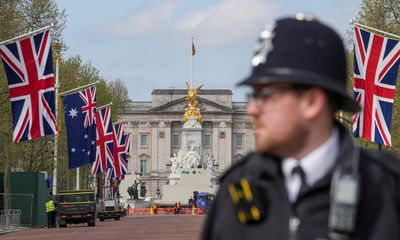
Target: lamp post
{"points": [[215, 165], [158, 192], [168, 164]]}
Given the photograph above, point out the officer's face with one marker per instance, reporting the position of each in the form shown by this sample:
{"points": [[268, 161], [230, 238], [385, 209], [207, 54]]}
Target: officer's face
{"points": [[280, 128]]}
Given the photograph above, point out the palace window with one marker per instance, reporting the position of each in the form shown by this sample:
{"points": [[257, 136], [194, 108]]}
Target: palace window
{"points": [[207, 140], [143, 140], [239, 140], [143, 166], [175, 139]]}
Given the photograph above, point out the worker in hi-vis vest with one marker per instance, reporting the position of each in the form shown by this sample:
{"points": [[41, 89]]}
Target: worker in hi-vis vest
{"points": [[51, 213]]}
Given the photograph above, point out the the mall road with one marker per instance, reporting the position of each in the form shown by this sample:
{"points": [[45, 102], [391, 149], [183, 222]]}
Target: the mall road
{"points": [[166, 227]]}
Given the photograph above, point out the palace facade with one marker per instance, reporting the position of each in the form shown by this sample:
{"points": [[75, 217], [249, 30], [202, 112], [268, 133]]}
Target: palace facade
{"points": [[156, 132]]}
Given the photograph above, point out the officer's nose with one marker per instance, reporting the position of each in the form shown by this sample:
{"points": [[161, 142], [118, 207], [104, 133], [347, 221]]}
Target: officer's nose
{"points": [[253, 109]]}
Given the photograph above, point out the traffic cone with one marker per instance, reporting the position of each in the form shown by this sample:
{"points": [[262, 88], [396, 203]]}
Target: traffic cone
{"points": [[151, 210], [193, 212]]}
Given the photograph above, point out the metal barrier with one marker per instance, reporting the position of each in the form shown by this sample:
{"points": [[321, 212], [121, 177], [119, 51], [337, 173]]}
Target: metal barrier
{"points": [[10, 219], [165, 211]]}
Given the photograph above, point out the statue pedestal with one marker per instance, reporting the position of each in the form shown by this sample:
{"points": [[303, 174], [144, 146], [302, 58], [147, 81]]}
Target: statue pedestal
{"points": [[174, 179], [192, 132], [191, 179], [184, 181]]}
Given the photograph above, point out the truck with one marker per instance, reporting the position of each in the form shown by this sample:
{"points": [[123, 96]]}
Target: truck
{"points": [[204, 200], [109, 206], [76, 206]]}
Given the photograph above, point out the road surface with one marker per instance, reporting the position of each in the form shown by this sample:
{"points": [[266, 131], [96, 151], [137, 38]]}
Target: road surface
{"points": [[166, 227]]}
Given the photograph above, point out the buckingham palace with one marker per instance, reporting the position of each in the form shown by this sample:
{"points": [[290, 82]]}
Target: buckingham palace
{"points": [[157, 132]]}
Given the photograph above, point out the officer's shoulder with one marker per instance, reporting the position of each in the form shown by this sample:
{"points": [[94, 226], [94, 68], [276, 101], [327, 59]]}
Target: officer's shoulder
{"points": [[385, 160], [239, 166]]}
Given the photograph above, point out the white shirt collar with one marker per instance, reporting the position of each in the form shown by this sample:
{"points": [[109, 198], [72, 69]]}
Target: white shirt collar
{"points": [[315, 165]]}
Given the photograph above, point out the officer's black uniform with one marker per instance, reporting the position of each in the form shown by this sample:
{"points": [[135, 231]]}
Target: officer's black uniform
{"points": [[378, 209], [303, 51]]}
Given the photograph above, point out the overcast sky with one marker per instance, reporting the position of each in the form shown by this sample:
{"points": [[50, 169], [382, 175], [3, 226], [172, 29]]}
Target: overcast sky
{"points": [[147, 44]]}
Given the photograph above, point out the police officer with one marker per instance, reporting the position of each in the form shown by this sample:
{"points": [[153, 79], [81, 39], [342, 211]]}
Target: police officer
{"points": [[307, 180]]}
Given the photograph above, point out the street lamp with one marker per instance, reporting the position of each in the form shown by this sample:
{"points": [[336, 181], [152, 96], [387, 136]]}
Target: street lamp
{"points": [[215, 165], [168, 164], [158, 192]]}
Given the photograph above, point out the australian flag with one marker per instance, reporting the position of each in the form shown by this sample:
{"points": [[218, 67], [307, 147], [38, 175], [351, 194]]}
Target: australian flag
{"points": [[80, 115]]}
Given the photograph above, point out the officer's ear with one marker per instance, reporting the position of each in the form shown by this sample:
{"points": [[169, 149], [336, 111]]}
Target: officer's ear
{"points": [[313, 102]]}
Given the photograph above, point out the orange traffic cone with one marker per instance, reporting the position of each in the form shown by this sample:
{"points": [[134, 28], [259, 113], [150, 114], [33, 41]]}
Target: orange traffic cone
{"points": [[151, 210], [193, 211]]}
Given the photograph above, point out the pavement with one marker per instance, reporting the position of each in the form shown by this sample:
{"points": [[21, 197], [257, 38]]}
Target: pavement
{"points": [[11, 230]]}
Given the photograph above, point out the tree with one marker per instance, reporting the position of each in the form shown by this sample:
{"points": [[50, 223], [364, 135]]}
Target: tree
{"points": [[120, 96], [381, 14], [18, 17], [21, 16]]}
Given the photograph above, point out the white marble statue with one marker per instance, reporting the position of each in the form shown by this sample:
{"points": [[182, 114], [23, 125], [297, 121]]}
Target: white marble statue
{"points": [[174, 164], [181, 160], [192, 158], [210, 162]]}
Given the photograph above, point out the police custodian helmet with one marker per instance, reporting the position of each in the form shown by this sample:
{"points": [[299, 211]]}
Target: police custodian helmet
{"points": [[301, 50]]}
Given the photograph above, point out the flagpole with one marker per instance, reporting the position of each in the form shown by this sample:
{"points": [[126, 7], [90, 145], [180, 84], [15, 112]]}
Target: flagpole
{"points": [[77, 179], [389, 34], [25, 35], [108, 104], [68, 92], [119, 121], [57, 50], [191, 66]]}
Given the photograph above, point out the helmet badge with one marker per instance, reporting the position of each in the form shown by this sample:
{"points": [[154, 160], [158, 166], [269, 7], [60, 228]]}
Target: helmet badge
{"points": [[264, 46]]}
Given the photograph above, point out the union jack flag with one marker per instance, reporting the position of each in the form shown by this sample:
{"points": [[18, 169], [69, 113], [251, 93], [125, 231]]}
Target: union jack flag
{"points": [[110, 175], [104, 141], [119, 150], [128, 145], [376, 62], [28, 64], [89, 109], [124, 162], [124, 140]]}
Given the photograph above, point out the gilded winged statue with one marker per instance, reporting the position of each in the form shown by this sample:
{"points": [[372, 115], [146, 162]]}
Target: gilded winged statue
{"points": [[192, 110]]}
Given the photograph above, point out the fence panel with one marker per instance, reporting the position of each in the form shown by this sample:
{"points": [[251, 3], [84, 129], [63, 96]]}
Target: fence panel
{"points": [[24, 204], [10, 219]]}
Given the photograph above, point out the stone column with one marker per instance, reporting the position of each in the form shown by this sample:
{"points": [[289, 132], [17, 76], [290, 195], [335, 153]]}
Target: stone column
{"points": [[164, 144], [215, 141], [133, 162], [228, 143], [153, 145], [225, 147], [250, 137]]}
